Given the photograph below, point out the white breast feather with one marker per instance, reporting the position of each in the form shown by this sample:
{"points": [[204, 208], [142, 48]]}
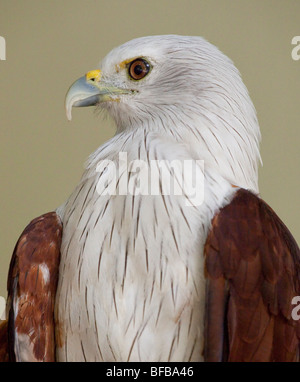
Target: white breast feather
{"points": [[133, 284]]}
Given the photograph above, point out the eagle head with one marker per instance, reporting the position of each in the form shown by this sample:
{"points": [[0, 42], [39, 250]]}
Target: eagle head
{"points": [[184, 87]]}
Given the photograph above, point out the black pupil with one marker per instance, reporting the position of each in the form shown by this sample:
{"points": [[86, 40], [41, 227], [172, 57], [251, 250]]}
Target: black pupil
{"points": [[138, 69]]}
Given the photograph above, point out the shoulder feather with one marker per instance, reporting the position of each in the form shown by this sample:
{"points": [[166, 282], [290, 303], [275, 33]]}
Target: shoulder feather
{"points": [[32, 283], [253, 273]]}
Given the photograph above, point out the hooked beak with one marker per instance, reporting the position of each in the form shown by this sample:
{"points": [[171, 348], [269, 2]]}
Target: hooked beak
{"points": [[89, 90]]}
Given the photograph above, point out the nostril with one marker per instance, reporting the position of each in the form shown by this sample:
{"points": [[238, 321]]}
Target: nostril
{"points": [[93, 75]]}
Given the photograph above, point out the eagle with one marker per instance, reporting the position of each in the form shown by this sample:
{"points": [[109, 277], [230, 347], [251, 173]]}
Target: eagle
{"points": [[125, 274]]}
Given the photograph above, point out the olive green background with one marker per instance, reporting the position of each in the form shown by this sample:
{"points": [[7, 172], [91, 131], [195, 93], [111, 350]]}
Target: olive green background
{"points": [[52, 43]]}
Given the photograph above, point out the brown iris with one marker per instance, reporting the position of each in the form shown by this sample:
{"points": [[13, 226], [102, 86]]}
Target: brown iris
{"points": [[138, 69]]}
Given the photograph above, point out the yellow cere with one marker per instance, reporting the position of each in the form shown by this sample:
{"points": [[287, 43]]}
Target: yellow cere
{"points": [[93, 75]]}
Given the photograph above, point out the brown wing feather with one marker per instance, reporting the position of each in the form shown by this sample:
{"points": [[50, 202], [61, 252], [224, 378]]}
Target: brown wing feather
{"points": [[253, 272], [3, 342], [32, 283]]}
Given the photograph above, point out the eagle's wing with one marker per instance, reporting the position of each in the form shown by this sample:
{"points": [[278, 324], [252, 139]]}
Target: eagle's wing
{"points": [[253, 273], [4, 357], [32, 283]]}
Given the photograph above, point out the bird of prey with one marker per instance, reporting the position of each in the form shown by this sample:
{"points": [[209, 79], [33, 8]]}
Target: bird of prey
{"points": [[137, 276]]}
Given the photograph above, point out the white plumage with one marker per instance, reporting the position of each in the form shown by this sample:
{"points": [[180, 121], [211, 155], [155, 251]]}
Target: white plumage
{"points": [[133, 285]]}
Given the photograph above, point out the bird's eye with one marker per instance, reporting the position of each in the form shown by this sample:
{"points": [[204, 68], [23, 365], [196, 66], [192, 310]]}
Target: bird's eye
{"points": [[138, 69]]}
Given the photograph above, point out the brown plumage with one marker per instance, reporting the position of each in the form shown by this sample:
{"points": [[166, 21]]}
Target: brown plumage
{"points": [[32, 283], [253, 272], [4, 357]]}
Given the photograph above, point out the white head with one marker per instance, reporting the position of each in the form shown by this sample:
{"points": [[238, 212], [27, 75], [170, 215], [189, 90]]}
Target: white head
{"points": [[183, 87]]}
